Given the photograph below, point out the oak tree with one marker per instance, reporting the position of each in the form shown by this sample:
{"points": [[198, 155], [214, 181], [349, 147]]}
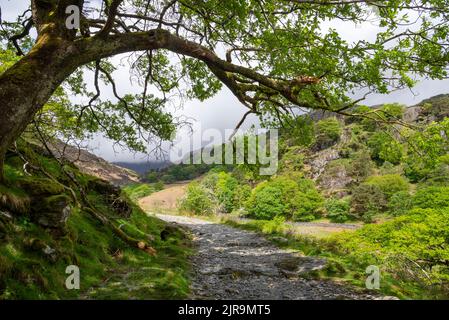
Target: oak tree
{"points": [[275, 56]]}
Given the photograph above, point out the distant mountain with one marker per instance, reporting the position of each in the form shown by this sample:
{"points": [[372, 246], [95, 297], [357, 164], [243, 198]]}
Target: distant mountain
{"points": [[143, 167]]}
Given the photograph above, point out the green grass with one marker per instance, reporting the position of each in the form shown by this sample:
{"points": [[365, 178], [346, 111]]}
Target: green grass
{"points": [[138, 190], [109, 268]]}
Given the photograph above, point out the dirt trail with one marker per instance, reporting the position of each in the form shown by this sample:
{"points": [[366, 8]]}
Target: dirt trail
{"points": [[236, 264]]}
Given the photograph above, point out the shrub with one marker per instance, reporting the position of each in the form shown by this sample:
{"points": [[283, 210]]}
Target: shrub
{"points": [[385, 148], [389, 184], [197, 200], [265, 202], [274, 226], [292, 160], [421, 237], [328, 132], [361, 166], [400, 203], [210, 180], [297, 199], [367, 200], [226, 188], [440, 174], [338, 209], [300, 132], [158, 186], [168, 178], [358, 110], [432, 197], [393, 111], [137, 191], [152, 176], [307, 202], [429, 150], [241, 196]]}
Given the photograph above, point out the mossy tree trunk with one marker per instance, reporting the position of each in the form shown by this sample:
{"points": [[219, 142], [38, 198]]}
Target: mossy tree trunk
{"points": [[27, 86]]}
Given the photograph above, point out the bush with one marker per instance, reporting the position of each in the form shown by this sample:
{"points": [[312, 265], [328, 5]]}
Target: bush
{"points": [[400, 203], [226, 188], [338, 209], [137, 191], [168, 178], [152, 177], [241, 196], [300, 132], [307, 202], [266, 202], [430, 149], [389, 184], [328, 132], [361, 166], [367, 200], [421, 237], [197, 200], [284, 196], [440, 174], [384, 148], [432, 197], [158, 186], [393, 111], [358, 110]]}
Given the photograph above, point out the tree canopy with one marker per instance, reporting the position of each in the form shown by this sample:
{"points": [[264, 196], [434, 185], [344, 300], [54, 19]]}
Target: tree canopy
{"points": [[276, 57]]}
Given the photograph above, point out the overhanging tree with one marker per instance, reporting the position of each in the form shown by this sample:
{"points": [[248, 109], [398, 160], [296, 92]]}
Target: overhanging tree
{"points": [[274, 55]]}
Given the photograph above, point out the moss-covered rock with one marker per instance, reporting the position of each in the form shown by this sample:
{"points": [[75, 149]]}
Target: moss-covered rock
{"points": [[35, 186], [53, 211]]}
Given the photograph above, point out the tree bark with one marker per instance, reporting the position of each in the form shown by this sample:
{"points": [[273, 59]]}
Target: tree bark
{"points": [[27, 86]]}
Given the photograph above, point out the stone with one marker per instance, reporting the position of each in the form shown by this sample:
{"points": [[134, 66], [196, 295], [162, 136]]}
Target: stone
{"points": [[53, 211]]}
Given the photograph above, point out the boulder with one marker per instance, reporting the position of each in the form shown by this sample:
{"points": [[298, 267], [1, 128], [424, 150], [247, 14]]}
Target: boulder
{"points": [[53, 212]]}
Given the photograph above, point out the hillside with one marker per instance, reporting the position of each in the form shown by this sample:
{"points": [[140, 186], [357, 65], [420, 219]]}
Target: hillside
{"points": [[53, 216], [93, 165]]}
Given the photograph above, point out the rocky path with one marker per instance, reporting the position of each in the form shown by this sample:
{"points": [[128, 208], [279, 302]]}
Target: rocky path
{"points": [[237, 264]]}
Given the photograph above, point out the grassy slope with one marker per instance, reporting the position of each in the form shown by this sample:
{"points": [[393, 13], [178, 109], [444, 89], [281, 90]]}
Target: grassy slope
{"points": [[109, 268]]}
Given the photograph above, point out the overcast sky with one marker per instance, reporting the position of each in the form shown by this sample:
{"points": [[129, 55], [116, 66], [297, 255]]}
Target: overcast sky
{"points": [[224, 111]]}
